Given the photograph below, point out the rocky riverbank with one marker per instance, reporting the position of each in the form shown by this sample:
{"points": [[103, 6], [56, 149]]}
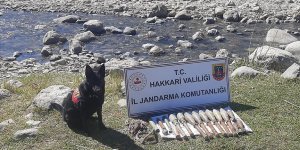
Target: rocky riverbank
{"points": [[273, 10]]}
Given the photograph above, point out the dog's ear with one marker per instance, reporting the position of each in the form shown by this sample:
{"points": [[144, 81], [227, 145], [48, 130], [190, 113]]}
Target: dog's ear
{"points": [[101, 71], [89, 74]]}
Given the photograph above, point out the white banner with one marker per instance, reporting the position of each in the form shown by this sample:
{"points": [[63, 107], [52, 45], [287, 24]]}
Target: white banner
{"points": [[166, 87]]}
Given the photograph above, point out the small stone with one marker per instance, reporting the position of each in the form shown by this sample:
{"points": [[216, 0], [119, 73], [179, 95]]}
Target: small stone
{"points": [[46, 51], [67, 19], [183, 15], [151, 20], [219, 11], [148, 46], [223, 53], [21, 134], [181, 27], [156, 51], [95, 26], [39, 27], [122, 103], [209, 20], [292, 72], [151, 34], [75, 46], [198, 36], [203, 56], [113, 30], [14, 83], [230, 28], [17, 54], [33, 123], [231, 16], [129, 31], [9, 59], [52, 37], [85, 36], [55, 57], [220, 38], [4, 93], [29, 116], [178, 51], [184, 44], [212, 32], [5, 123], [245, 71], [23, 71]]}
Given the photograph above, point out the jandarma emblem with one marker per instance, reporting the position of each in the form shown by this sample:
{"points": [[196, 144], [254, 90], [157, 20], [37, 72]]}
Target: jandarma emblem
{"points": [[137, 81], [218, 71]]}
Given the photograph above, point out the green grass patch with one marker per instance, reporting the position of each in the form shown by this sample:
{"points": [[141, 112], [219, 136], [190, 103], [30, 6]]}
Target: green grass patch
{"points": [[258, 101]]}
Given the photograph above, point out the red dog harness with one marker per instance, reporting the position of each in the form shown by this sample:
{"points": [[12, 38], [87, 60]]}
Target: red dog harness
{"points": [[75, 96]]}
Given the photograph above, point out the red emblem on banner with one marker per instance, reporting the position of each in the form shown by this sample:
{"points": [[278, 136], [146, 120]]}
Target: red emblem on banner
{"points": [[218, 71]]}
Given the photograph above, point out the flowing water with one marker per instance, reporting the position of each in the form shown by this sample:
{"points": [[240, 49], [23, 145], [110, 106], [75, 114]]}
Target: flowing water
{"points": [[17, 33]]}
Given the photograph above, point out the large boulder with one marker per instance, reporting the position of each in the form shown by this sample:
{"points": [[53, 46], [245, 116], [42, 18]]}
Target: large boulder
{"points": [[231, 16], [159, 10], [292, 72], [183, 15], [94, 26], [273, 58], [67, 19], [245, 71], [280, 36], [85, 37], [55, 93], [75, 46], [52, 37], [294, 48], [4, 93]]}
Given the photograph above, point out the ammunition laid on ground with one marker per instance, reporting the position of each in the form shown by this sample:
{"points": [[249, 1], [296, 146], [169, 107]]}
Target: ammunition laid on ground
{"points": [[225, 116], [174, 120], [219, 118], [212, 118], [199, 121], [168, 125], [189, 118], [206, 120], [236, 121], [232, 118], [155, 129], [181, 119], [164, 130]]}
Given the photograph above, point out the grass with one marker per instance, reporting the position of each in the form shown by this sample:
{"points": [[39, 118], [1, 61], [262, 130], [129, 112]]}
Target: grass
{"points": [[258, 101]]}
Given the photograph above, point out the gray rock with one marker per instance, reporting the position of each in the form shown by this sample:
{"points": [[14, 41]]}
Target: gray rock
{"points": [[29, 116], [184, 44], [219, 11], [61, 62], [55, 93], [67, 19], [39, 27], [220, 38], [223, 53], [95, 26], [209, 20], [17, 54], [47, 51], [148, 46], [52, 37], [212, 32], [245, 71], [9, 59], [151, 20], [55, 57], [75, 46], [120, 8], [33, 123], [230, 3], [156, 51], [230, 28], [178, 51], [183, 15], [273, 58], [14, 83], [296, 17], [151, 34], [122, 103], [294, 48], [280, 36], [5, 123], [231, 16], [116, 64], [181, 26], [198, 36], [292, 72], [244, 20], [203, 56], [85, 36], [21, 134], [23, 71], [4, 93], [113, 30], [159, 10], [129, 31]]}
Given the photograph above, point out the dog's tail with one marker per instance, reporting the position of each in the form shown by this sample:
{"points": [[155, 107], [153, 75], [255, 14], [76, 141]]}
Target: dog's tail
{"points": [[57, 107]]}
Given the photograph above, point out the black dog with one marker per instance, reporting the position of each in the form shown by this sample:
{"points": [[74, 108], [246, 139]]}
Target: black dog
{"points": [[85, 101]]}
